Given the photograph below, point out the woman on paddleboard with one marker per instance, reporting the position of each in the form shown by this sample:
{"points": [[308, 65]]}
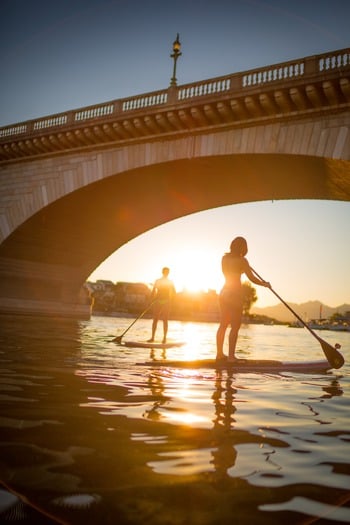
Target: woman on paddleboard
{"points": [[162, 294], [234, 264]]}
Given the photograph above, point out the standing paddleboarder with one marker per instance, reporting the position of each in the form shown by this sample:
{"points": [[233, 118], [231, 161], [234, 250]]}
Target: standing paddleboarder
{"points": [[234, 264], [162, 295]]}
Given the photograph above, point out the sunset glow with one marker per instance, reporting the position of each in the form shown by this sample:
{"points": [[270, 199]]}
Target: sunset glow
{"points": [[193, 246], [194, 271]]}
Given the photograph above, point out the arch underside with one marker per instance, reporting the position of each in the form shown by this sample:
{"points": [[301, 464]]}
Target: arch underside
{"points": [[50, 256]]}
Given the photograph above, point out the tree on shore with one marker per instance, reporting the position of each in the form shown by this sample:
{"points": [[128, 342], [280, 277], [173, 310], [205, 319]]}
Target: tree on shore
{"points": [[249, 297]]}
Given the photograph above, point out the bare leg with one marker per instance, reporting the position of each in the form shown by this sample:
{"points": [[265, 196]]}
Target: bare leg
{"points": [[220, 335], [232, 341], [235, 326], [165, 329], [154, 328]]}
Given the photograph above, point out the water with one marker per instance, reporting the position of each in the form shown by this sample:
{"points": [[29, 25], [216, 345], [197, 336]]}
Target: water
{"points": [[87, 435]]}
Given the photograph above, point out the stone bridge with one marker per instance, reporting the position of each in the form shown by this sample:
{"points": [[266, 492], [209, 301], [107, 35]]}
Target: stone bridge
{"points": [[76, 186]]}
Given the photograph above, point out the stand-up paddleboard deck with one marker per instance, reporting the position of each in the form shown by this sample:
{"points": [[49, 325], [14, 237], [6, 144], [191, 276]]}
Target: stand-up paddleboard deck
{"points": [[146, 344], [244, 365]]}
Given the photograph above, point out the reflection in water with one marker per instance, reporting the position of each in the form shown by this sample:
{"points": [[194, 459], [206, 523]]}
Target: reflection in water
{"points": [[156, 386], [224, 455], [334, 389], [87, 436], [313, 508]]}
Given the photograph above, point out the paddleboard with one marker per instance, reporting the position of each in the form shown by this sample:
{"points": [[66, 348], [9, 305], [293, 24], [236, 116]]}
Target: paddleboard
{"points": [[146, 344], [245, 365]]}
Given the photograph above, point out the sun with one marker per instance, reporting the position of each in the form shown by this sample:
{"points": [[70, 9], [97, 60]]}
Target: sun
{"points": [[195, 271]]}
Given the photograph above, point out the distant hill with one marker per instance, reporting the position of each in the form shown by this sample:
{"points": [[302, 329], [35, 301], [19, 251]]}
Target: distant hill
{"points": [[307, 311]]}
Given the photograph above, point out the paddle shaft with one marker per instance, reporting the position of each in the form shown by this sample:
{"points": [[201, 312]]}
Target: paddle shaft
{"points": [[119, 337], [335, 359], [287, 306]]}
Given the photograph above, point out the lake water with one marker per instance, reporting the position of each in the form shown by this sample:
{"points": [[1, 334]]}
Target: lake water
{"points": [[87, 435]]}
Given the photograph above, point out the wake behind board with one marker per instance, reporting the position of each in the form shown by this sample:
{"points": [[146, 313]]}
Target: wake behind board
{"points": [[245, 365], [146, 344]]}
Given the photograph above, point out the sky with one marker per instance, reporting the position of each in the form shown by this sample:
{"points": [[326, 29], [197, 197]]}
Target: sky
{"points": [[58, 56]]}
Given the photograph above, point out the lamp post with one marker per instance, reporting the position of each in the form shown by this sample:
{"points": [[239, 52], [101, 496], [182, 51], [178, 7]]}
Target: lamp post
{"points": [[175, 55]]}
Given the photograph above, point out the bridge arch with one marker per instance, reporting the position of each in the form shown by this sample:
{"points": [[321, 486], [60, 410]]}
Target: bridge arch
{"points": [[41, 182], [50, 255]]}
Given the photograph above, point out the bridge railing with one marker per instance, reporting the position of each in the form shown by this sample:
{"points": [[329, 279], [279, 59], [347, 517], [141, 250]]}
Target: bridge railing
{"points": [[234, 84]]}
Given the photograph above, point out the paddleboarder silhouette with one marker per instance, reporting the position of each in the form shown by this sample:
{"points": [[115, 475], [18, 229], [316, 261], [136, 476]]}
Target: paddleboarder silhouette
{"points": [[162, 295], [233, 264]]}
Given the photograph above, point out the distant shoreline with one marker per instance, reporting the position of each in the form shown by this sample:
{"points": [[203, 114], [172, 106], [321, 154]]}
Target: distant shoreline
{"points": [[193, 318]]}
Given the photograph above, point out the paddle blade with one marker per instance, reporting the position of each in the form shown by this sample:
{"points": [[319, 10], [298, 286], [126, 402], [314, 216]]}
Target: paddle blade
{"points": [[335, 359], [117, 339]]}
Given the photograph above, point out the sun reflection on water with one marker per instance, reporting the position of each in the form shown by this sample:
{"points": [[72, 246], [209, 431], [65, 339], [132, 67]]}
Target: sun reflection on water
{"points": [[184, 463], [192, 336], [184, 418], [131, 427]]}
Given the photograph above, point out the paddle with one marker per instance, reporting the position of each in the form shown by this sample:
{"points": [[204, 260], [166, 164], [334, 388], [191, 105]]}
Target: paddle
{"points": [[118, 339], [334, 358]]}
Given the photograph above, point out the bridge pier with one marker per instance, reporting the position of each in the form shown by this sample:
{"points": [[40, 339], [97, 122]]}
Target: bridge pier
{"points": [[30, 307], [29, 288]]}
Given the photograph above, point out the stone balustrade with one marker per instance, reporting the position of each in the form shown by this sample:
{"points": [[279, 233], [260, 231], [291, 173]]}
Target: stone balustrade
{"points": [[238, 92]]}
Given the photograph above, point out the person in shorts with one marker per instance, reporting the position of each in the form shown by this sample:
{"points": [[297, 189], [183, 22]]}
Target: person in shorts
{"points": [[161, 296]]}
